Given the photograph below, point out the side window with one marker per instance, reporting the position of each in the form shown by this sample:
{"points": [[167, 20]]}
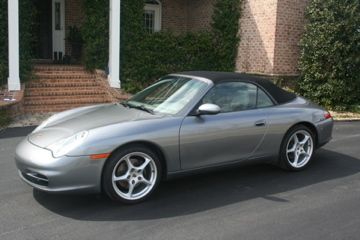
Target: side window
{"points": [[263, 100], [233, 96]]}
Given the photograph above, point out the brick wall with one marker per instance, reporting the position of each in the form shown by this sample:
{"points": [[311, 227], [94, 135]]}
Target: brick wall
{"points": [[74, 15], [270, 32], [289, 28], [174, 15], [257, 32], [180, 16], [199, 14]]}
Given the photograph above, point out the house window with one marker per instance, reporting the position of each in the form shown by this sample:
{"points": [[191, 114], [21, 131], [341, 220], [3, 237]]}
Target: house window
{"points": [[152, 16], [149, 17]]}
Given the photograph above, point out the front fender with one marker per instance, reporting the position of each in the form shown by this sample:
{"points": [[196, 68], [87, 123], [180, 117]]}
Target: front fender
{"points": [[163, 132]]}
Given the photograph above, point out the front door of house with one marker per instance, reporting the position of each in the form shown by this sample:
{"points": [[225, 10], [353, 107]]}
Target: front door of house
{"points": [[42, 47], [58, 29]]}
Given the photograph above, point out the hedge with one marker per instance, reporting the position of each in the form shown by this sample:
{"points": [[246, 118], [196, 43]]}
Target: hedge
{"points": [[95, 32], [330, 54], [28, 36], [132, 40], [163, 52], [145, 57], [225, 28]]}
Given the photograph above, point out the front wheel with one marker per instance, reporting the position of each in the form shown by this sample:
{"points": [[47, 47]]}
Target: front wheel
{"points": [[297, 148], [132, 174]]}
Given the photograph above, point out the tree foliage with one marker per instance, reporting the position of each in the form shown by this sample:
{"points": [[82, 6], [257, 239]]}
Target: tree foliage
{"points": [[163, 52], [225, 28], [95, 32], [132, 39], [27, 37], [330, 53]]}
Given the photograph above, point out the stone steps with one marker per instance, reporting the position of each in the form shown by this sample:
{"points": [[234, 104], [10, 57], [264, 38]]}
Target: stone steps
{"points": [[75, 99], [60, 87], [62, 83], [65, 75], [51, 67], [64, 91]]}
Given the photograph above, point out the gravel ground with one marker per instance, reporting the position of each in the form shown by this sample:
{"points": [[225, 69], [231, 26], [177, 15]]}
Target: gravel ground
{"points": [[29, 120], [345, 116]]}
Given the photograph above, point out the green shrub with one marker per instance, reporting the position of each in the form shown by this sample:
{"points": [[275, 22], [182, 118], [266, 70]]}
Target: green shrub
{"points": [[95, 32], [330, 53], [154, 55], [225, 27], [27, 37], [146, 57], [164, 52], [132, 39]]}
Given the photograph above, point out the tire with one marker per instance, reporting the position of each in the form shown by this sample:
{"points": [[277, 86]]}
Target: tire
{"points": [[297, 155], [131, 174]]}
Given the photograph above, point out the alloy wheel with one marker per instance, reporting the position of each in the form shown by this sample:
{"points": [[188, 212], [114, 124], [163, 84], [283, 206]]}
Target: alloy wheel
{"points": [[299, 148], [134, 176]]}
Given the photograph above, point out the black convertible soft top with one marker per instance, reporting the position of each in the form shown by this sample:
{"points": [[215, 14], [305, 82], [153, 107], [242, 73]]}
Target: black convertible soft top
{"points": [[277, 93]]}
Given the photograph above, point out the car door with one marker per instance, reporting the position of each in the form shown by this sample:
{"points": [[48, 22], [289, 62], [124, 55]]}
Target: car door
{"points": [[232, 135]]}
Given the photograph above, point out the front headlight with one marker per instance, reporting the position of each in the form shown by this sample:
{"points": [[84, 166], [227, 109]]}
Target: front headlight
{"points": [[64, 146]]}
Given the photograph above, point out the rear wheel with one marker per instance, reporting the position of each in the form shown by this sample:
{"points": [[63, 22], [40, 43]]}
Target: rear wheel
{"points": [[132, 174], [297, 148]]}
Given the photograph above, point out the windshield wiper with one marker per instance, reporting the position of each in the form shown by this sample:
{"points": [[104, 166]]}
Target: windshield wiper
{"points": [[140, 107], [125, 104]]}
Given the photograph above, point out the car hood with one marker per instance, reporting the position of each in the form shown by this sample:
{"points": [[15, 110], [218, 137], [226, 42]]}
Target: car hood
{"points": [[87, 118]]}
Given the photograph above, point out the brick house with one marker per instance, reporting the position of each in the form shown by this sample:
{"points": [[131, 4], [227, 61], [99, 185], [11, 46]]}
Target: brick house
{"points": [[270, 31]]}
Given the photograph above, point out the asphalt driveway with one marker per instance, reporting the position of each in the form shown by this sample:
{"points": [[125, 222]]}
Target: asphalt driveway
{"points": [[251, 202]]}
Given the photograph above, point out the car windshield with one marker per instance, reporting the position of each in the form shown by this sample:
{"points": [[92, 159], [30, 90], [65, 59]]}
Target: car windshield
{"points": [[168, 96]]}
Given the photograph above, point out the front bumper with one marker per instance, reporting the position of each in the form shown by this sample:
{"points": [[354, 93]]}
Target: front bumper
{"points": [[41, 170]]}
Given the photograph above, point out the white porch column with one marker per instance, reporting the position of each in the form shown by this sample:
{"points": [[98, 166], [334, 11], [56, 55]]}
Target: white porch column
{"points": [[114, 44], [13, 25]]}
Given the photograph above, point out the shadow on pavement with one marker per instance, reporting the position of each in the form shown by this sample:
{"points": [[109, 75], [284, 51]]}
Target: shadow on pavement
{"points": [[16, 132], [204, 192]]}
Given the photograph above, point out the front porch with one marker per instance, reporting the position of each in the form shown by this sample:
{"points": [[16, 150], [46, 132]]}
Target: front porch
{"points": [[53, 19], [53, 43]]}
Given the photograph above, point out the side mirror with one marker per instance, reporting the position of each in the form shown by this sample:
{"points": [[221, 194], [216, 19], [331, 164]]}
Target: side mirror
{"points": [[208, 109]]}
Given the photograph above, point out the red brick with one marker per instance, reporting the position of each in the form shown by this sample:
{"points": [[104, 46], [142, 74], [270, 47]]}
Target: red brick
{"points": [[270, 32], [59, 87]]}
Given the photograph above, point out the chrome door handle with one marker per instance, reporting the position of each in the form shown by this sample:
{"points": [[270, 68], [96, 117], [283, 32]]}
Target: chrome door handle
{"points": [[260, 123]]}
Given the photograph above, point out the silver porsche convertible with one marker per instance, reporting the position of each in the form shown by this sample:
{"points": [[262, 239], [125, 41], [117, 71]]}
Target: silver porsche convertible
{"points": [[184, 123]]}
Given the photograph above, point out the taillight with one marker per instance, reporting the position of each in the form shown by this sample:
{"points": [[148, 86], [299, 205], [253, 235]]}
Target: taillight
{"points": [[327, 115]]}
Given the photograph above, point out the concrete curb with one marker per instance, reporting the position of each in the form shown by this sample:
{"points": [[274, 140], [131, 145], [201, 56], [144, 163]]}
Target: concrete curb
{"points": [[347, 120]]}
